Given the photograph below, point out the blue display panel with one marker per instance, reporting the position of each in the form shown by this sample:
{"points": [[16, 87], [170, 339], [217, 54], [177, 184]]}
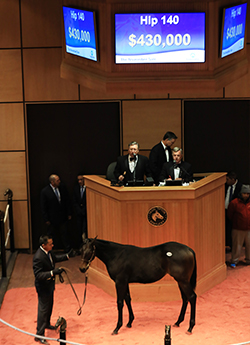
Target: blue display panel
{"points": [[80, 33], [233, 29], [160, 38]]}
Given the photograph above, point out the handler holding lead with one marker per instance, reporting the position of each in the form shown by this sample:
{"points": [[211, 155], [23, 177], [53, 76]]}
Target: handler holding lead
{"points": [[44, 270]]}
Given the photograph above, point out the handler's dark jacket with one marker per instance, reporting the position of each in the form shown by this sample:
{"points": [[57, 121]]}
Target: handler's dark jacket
{"points": [[42, 267]]}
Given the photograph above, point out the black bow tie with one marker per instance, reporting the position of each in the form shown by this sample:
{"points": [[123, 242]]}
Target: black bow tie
{"points": [[132, 158]]}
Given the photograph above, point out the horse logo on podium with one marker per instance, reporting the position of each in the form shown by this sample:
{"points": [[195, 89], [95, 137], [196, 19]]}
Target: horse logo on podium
{"points": [[157, 216]]}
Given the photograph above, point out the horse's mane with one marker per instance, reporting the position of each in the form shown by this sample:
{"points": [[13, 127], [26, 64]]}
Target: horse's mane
{"points": [[109, 243], [115, 245]]}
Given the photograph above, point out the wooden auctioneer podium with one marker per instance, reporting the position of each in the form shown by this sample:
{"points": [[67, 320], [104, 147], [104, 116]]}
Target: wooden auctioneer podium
{"points": [[193, 215]]}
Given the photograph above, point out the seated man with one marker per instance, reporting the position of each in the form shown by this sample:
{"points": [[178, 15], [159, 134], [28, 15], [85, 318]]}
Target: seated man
{"points": [[132, 167], [176, 170]]}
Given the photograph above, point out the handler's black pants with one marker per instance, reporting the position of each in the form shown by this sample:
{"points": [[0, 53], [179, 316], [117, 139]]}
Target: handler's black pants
{"points": [[45, 305]]}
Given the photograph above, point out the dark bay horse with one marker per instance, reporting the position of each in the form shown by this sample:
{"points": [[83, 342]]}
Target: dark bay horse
{"points": [[130, 264]]}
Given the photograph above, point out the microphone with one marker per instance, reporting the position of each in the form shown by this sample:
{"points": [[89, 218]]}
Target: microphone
{"points": [[134, 179], [185, 171]]}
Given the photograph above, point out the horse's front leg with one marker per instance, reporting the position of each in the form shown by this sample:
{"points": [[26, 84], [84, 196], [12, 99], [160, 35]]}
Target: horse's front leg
{"points": [[120, 292], [130, 310]]}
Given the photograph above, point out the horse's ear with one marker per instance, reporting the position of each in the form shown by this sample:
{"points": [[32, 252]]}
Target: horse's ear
{"points": [[83, 237], [93, 242]]}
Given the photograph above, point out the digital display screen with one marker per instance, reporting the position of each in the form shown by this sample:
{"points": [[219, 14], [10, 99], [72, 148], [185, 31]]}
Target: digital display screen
{"points": [[160, 38], [233, 30], [80, 33]]}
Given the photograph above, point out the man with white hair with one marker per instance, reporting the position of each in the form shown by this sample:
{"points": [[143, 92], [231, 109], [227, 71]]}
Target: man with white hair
{"points": [[56, 211], [133, 166], [177, 169]]}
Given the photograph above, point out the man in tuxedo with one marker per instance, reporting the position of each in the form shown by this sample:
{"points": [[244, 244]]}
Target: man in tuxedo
{"points": [[44, 270], [176, 169], [160, 154], [56, 211], [79, 204], [132, 167], [232, 191]]}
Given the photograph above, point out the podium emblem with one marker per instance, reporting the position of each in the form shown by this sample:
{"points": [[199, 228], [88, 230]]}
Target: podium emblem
{"points": [[157, 216]]}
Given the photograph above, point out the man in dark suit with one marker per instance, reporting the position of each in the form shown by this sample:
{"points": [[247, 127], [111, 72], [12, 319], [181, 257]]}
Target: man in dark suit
{"points": [[177, 169], [79, 204], [44, 270], [160, 154], [232, 191], [132, 167], [56, 211]]}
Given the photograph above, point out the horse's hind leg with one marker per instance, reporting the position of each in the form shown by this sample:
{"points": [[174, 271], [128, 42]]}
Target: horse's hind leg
{"points": [[187, 294], [192, 302], [183, 308], [128, 302]]}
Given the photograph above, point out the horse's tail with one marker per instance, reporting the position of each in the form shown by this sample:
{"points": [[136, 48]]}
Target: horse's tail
{"points": [[193, 278]]}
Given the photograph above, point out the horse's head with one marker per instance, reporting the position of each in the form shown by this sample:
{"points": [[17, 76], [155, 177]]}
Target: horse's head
{"points": [[87, 253], [156, 215]]}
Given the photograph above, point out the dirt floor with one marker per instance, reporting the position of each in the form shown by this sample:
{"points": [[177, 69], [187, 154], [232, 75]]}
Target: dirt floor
{"points": [[222, 312]]}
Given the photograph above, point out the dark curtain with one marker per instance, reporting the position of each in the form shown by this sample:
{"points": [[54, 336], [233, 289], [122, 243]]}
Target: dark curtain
{"points": [[68, 139], [216, 136]]}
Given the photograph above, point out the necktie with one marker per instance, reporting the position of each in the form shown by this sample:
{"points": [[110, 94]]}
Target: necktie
{"points": [[57, 194], [81, 192], [231, 193], [49, 256]]}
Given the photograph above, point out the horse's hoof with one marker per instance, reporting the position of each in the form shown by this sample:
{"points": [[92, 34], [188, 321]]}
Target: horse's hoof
{"points": [[114, 332], [176, 325], [189, 332], [129, 325]]}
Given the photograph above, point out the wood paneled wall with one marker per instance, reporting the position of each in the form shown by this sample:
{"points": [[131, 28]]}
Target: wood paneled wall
{"points": [[12, 135], [30, 57], [151, 117]]}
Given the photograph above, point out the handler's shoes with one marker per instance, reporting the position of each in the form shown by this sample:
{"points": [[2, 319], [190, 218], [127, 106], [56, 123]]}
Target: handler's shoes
{"points": [[50, 327], [42, 341]]}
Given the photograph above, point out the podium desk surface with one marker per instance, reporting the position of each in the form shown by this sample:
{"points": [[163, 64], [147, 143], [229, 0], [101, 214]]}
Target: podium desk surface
{"points": [[194, 190]]}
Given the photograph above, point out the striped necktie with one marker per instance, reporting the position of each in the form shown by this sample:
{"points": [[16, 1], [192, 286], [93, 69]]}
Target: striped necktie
{"points": [[231, 193], [57, 195]]}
